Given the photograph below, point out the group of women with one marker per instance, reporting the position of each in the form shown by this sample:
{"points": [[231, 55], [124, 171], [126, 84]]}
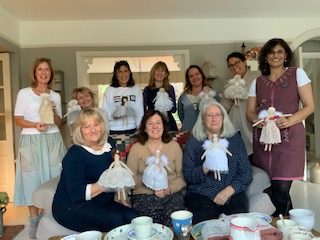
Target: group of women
{"points": [[84, 200]]}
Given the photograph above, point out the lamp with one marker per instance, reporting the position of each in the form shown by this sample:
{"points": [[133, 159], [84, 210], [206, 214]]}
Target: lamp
{"points": [[208, 69]]}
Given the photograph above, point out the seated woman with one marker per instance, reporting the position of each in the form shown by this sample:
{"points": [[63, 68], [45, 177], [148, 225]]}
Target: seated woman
{"points": [[81, 202], [156, 162], [215, 166]]}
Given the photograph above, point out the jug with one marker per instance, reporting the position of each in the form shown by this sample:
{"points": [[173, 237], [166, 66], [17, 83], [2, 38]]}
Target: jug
{"points": [[244, 228]]}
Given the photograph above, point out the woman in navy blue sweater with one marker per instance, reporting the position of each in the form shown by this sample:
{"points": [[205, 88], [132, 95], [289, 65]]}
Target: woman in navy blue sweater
{"points": [[81, 201], [215, 190]]}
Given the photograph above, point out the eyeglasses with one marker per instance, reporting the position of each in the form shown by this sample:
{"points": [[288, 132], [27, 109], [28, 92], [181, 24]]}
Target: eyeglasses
{"points": [[236, 64], [215, 116]]}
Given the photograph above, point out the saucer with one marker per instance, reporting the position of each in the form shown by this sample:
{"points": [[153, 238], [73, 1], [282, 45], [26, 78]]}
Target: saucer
{"points": [[120, 233], [132, 235], [70, 237]]}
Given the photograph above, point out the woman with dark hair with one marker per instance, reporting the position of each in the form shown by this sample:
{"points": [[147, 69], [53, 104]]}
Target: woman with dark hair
{"points": [[237, 64], [188, 103], [155, 148], [123, 86], [159, 94], [283, 88]]}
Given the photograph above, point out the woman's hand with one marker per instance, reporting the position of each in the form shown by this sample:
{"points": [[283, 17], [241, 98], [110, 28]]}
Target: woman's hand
{"points": [[205, 170], [282, 122], [223, 196], [163, 193], [42, 127], [126, 202]]}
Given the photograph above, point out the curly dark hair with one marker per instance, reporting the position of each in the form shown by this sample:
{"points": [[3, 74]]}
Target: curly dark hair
{"points": [[142, 135], [115, 81], [267, 48]]}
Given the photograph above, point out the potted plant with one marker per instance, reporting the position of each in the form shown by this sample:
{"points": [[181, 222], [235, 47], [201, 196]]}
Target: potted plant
{"points": [[4, 200]]}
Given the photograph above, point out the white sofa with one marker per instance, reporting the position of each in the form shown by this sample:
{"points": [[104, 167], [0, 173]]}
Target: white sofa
{"points": [[48, 227]]}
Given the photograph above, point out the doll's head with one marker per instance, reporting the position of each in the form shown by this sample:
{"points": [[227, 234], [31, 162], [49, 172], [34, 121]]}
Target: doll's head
{"points": [[271, 111]]}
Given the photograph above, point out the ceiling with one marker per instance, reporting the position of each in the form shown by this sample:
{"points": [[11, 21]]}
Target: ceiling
{"points": [[53, 10]]}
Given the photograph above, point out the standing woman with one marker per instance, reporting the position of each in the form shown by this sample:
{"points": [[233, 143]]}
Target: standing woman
{"points": [[41, 147], [237, 112], [188, 103], [281, 87], [123, 101], [159, 78]]}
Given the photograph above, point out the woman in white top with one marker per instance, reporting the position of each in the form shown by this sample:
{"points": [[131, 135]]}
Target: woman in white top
{"points": [[123, 101], [41, 147]]}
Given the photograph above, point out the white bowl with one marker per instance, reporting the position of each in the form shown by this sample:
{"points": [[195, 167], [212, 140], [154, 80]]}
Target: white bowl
{"points": [[304, 217]]}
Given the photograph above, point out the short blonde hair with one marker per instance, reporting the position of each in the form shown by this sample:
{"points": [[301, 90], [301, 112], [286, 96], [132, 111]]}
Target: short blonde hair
{"points": [[84, 90], [81, 121]]}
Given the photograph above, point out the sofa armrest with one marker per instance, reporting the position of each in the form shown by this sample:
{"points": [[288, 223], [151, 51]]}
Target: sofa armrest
{"points": [[43, 195]]}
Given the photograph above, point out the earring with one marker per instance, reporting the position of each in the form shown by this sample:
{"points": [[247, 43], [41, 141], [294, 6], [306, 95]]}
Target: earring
{"points": [[285, 60], [265, 61]]}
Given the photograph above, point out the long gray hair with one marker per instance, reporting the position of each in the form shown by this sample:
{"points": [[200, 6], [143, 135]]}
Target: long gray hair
{"points": [[199, 131]]}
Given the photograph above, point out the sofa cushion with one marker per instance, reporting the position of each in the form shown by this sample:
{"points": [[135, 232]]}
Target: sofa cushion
{"points": [[260, 181], [43, 195]]}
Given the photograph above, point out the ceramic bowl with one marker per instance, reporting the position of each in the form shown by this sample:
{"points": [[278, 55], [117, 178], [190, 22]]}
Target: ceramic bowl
{"points": [[132, 236], [305, 217]]}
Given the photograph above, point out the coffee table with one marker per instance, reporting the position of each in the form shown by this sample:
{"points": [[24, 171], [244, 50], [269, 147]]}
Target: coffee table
{"points": [[273, 223]]}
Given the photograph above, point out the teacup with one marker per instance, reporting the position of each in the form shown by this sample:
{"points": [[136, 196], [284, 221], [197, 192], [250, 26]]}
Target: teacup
{"points": [[244, 228], [286, 226], [301, 235], [89, 235], [142, 227], [304, 217], [180, 218]]}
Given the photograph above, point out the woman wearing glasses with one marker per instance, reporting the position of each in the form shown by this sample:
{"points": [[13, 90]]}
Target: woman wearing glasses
{"points": [[41, 147], [237, 109], [215, 188], [123, 101]]}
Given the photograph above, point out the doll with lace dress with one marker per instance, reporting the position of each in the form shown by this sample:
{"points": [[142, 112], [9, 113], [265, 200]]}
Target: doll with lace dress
{"points": [[163, 102], [216, 156], [46, 112], [72, 114], [119, 177], [155, 176], [270, 133], [236, 89]]}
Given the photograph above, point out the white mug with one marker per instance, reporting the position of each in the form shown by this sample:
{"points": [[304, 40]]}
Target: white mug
{"points": [[288, 226], [244, 228], [89, 235], [142, 227]]}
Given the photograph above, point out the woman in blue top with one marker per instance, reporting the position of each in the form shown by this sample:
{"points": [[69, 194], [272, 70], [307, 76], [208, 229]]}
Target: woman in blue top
{"points": [[210, 193], [81, 202]]}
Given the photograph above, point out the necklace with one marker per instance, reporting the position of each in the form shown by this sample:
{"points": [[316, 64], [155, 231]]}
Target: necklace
{"points": [[155, 148], [194, 100]]}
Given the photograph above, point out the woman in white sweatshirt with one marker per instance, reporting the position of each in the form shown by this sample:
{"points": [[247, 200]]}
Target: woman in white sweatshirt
{"points": [[123, 101]]}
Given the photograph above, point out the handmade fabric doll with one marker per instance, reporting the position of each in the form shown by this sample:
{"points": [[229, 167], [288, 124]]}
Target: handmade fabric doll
{"points": [[46, 112], [236, 89], [72, 114], [163, 102], [119, 177], [124, 110], [155, 176], [216, 156], [205, 94], [270, 133]]}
